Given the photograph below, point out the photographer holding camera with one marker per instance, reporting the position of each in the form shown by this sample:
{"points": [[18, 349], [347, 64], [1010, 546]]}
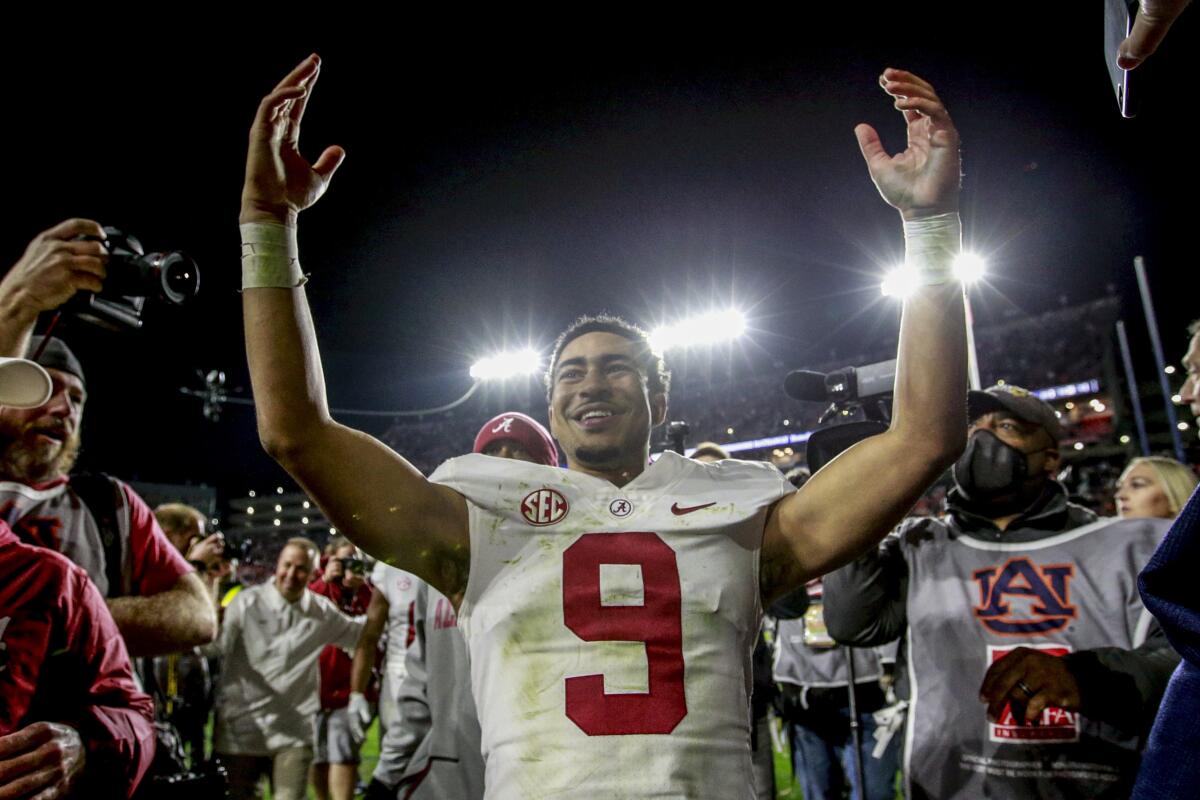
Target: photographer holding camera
{"points": [[335, 743], [158, 602]]}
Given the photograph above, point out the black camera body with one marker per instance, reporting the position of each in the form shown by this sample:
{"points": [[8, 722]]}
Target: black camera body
{"points": [[860, 406], [170, 277]]}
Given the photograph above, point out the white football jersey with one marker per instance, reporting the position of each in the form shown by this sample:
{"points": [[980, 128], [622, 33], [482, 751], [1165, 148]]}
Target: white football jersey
{"points": [[400, 590], [610, 628]]}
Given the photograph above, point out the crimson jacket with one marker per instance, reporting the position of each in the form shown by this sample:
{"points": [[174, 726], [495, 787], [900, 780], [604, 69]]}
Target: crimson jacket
{"points": [[335, 663], [62, 660]]}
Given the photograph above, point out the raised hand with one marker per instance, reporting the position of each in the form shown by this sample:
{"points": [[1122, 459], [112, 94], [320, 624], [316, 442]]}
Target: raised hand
{"points": [[923, 179], [280, 183]]}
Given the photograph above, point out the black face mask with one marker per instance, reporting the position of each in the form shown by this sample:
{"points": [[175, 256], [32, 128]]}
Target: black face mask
{"points": [[990, 470]]}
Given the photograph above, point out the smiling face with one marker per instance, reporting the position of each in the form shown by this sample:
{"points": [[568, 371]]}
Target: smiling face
{"points": [[40, 444], [1140, 493], [600, 409], [292, 570]]}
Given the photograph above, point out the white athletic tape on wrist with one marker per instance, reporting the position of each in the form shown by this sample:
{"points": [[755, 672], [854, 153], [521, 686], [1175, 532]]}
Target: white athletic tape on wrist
{"points": [[270, 257], [930, 247]]}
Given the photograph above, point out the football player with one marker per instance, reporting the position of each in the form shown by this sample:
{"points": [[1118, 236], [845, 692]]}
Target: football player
{"points": [[609, 608]]}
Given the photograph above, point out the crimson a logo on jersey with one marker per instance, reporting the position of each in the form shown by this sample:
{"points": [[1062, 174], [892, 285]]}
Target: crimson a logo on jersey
{"points": [[1022, 598], [544, 507]]}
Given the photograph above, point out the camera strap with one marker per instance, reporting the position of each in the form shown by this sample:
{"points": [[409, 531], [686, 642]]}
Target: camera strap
{"points": [[101, 496]]}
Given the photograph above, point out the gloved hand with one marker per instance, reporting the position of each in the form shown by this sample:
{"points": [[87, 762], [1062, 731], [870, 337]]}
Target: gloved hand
{"points": [[360, 715]]}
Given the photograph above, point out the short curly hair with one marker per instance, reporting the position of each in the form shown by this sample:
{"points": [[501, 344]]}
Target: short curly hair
{"points": [[658, 377]]}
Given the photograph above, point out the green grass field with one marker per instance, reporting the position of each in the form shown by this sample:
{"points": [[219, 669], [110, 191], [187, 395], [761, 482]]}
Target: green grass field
{"points": [[785, 786]]}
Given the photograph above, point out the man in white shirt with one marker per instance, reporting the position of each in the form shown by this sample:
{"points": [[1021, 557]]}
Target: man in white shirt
{"points": [[270, 639]]}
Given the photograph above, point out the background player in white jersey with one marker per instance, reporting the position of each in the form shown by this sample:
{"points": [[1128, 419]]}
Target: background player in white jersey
{"points": [[431, 739], [435, 697], [610, 608], [390, 622]]}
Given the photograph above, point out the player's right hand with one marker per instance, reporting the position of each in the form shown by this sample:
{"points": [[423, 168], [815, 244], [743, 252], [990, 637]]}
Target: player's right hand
{"points": [[41, 760], [55, 266], [280, 183]]}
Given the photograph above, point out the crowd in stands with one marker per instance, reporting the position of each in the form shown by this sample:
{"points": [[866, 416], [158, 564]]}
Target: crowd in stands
{"points": [[1055, 348]]}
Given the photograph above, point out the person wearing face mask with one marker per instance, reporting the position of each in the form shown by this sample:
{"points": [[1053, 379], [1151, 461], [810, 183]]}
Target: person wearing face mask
{"points": [[1022, 600], [1154, 486]]}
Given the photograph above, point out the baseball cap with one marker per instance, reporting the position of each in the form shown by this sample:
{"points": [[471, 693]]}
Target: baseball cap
{"points": [[525, 430], [56, 356], [23, 384], [1021, 403]]}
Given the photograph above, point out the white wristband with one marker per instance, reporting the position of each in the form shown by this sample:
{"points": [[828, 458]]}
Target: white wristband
{"points": [[270, 257], [930, 246]]}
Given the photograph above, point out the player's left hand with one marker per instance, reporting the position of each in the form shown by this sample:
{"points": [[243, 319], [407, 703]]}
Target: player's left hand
{"points": [[1029, 681], [40, 761], [280, 183], [923, 179]]}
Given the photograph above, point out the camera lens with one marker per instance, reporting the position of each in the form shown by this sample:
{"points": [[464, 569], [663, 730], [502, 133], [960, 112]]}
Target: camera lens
{"points": [[179, 277]]}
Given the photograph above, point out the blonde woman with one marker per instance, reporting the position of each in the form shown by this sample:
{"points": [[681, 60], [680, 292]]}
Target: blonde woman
{"points": [[1154, 486]]}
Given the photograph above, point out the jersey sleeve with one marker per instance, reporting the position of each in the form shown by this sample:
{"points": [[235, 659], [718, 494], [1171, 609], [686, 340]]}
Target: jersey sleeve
{"points": [[116, 720], [156, 565]]}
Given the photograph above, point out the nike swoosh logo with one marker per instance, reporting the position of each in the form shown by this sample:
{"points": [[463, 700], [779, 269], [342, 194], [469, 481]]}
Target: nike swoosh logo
{"points": [[679, 512]]}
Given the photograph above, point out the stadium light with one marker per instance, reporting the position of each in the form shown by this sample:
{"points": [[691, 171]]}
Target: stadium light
{"points": [[505, 365], [969, 267], [903, 281], [705, 329], [900, 282]]}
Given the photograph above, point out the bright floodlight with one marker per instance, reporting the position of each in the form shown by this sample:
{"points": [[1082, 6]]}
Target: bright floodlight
{"points": [[900, 282], [969, 267], [706, 329], [506, 365]]}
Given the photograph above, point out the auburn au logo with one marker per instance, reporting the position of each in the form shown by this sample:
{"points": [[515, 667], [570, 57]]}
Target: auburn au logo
{"points": [[1023, 598]]}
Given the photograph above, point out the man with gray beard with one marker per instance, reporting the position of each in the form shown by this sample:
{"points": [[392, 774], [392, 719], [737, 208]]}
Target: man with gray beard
{"points": [[158, 602]]}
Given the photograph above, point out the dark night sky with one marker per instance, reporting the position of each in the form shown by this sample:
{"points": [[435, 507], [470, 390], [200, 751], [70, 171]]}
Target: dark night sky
{"points": [[500, 182]]}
